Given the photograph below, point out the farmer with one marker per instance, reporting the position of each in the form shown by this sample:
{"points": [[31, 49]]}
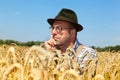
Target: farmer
{"points": [[64, 29]]}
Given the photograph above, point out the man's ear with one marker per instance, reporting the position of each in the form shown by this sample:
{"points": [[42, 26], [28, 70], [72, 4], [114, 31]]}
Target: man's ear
{"points": [[72, 32]]}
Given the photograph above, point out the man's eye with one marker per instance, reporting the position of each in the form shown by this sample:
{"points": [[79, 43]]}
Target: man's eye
{"points": [[59, 28]]}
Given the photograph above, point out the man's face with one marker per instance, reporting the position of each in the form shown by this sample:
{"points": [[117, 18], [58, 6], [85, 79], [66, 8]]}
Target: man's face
{"points": [[61, 32]]}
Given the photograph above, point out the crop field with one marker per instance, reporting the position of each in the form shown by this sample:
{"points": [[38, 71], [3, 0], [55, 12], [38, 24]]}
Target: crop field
{"points": [[35, 63]]}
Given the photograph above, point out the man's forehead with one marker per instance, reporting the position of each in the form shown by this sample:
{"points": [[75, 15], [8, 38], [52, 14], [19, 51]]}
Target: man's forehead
{"points": [[57, 22]]}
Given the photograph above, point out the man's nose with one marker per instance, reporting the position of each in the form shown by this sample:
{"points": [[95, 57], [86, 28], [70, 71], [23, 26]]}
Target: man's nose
{"points": [[54, 31]]}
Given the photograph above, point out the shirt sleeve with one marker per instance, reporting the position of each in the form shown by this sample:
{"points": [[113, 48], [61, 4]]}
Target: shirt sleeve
{"points": [[86, 54]]}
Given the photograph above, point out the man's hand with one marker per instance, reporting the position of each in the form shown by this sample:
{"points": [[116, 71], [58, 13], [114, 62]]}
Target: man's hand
{"points": [[50, 44]]}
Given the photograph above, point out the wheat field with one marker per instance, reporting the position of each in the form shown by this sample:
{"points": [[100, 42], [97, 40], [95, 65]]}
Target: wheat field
{"points": [[35, 63]]}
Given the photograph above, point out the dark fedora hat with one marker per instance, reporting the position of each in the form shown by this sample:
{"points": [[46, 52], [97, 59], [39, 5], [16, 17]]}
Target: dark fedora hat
{"points": [[69, 16]]}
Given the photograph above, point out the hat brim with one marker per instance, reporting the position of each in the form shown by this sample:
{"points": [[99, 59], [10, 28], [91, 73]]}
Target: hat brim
{"points": [[77, 26]]}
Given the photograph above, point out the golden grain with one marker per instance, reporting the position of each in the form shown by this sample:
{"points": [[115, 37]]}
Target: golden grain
{"points": [[35, 63]]}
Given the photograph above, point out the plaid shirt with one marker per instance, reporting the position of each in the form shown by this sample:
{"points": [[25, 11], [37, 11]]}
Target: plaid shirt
{"points": [[82, 56]]}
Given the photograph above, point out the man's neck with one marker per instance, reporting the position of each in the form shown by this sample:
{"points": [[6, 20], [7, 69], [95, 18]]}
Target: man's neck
{"points": [[63, 48]]}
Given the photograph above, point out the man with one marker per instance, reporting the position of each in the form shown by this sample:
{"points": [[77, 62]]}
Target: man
{"points": [[64, 28]]}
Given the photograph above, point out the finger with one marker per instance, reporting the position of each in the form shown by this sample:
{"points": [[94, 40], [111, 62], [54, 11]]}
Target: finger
{"points": [[50, 42]]}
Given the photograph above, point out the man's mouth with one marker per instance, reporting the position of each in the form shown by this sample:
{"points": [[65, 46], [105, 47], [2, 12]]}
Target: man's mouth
{"points": [[55, 38]]}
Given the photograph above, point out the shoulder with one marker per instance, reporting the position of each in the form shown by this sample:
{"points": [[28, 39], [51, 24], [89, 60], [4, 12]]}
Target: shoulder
{"points": [[87, 51]]}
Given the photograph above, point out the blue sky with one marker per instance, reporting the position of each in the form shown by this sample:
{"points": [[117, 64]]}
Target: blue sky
{"points": [[26, 20]]}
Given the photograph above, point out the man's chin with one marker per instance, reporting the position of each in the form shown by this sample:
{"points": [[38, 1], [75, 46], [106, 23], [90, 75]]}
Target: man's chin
{"points": [[56, 44]]}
